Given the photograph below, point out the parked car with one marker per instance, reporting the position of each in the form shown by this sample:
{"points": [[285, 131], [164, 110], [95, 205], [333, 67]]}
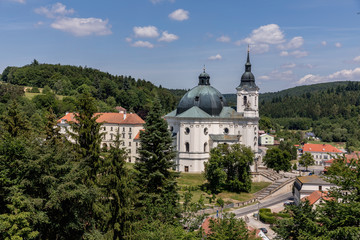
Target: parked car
{"points": [[287, 203], [264, 230]]}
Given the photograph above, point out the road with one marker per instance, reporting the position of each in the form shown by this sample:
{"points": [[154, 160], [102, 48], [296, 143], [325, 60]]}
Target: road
{"points": [[263, 204]]}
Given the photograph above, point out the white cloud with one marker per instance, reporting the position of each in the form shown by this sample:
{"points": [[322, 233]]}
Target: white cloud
{"points": [[216, 57], [284, 53], [223, 39], [294, 43], [179, 15], [269, 34], [56, 10], [356, 59], [296, 53], [147, 32], [279, 75], [168, 37], [324, 43], [142, 44], [299, 54], [343, 75], [83, 26], [288, 65], [128, 39], [260, 48], [338, 45]]}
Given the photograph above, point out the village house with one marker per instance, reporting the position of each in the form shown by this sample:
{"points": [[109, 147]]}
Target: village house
{"points": [[321, 152], [266, 139], [317, 197], [306, 185], [127, 125]]}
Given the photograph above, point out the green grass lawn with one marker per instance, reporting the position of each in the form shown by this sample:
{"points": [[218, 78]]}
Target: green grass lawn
{"points": [[195, 180]]}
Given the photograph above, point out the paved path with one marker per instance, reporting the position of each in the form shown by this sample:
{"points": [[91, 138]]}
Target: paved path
{"points": [[263, 204]]}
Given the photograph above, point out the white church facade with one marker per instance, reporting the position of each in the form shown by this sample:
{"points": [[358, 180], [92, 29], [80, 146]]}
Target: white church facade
{"points": [[202, 120]]}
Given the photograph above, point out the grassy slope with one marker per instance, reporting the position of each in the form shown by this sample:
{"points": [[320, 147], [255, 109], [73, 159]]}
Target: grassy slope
{"points": [[195, 180]]}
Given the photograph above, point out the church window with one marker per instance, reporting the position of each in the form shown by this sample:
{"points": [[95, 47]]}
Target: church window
{"points": [[187, 147], [197, 98], [171, 128], [205, 147], [226, 130], [245, 100], [187, 131], [206, 131], [186, 168]]}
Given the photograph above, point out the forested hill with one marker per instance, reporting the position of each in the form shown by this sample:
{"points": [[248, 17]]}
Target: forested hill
{"points": [[340, 100], [295, 91], [131, 94]]}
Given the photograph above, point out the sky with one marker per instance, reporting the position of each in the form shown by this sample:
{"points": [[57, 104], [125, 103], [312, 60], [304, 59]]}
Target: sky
{"points": [[168, 42]]}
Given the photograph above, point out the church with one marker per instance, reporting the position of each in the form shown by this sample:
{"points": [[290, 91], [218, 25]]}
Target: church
{"points": [[202, 120]]}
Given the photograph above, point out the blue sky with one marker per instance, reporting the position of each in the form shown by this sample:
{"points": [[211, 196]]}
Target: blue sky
{"points": [[167, 42]]}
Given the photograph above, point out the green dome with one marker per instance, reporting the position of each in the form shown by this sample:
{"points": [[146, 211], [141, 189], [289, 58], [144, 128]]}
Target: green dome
{"points": [[203, 96]]}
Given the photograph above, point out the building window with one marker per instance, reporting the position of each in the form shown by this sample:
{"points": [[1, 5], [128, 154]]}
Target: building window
{"points": [[171, 128], [320, 188], [205, 147], [245, 100], [123, 143], [129, 135], [129, 150], [186, 168], [187, 131], [226, 130], [129, 159], [187, 147], [136, 144], [129, 129], [104, 128], [123, 129], [206, 131], [111, 136], [129, 144], [123, 135], [111, 128]]}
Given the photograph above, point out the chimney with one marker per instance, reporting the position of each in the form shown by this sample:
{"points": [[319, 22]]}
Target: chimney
{"points": [[124, 115]]}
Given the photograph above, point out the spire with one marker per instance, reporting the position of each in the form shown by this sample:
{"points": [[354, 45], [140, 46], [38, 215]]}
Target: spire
{"points": [[248, 64], [204, 78]]}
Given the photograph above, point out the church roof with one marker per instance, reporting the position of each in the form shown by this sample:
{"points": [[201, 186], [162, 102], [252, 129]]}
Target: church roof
{"points": [[196, 112], [248, 79], [203, 96]]}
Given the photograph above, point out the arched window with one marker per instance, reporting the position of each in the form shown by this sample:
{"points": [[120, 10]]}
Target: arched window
{"points": [[187, 147], [206, 131], [205, 147], [187, 131], [245, 100]]}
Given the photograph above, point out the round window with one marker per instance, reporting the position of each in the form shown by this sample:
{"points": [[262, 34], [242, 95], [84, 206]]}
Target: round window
{"points": [[206, 131], [187, 130], [226, 130]]}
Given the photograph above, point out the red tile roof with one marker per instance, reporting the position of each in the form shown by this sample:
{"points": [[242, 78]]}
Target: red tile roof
{"points": [[117, 118], [316, 195], [327, 148], [206, 226], [137, 137]]}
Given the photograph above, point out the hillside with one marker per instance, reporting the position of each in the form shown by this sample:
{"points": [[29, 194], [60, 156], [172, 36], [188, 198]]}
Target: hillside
{"points": [[295, 91], [132, 94]]}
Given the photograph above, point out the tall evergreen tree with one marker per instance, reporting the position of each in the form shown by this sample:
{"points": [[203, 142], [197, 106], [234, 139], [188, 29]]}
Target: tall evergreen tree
{"points": [[118, 189], [155, 178], [86, 132]]}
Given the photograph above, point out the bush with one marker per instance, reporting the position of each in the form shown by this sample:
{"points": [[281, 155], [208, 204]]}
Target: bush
{"points": [[267, 216], [265, 210], [283, 215]]}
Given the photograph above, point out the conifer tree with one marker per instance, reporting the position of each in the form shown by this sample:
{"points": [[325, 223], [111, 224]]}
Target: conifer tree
{"points": [[119, 192], [86, 132], [155, 178]]}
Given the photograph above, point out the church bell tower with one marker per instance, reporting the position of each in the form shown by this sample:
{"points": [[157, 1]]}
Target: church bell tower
{"points": [[248, 92]]}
